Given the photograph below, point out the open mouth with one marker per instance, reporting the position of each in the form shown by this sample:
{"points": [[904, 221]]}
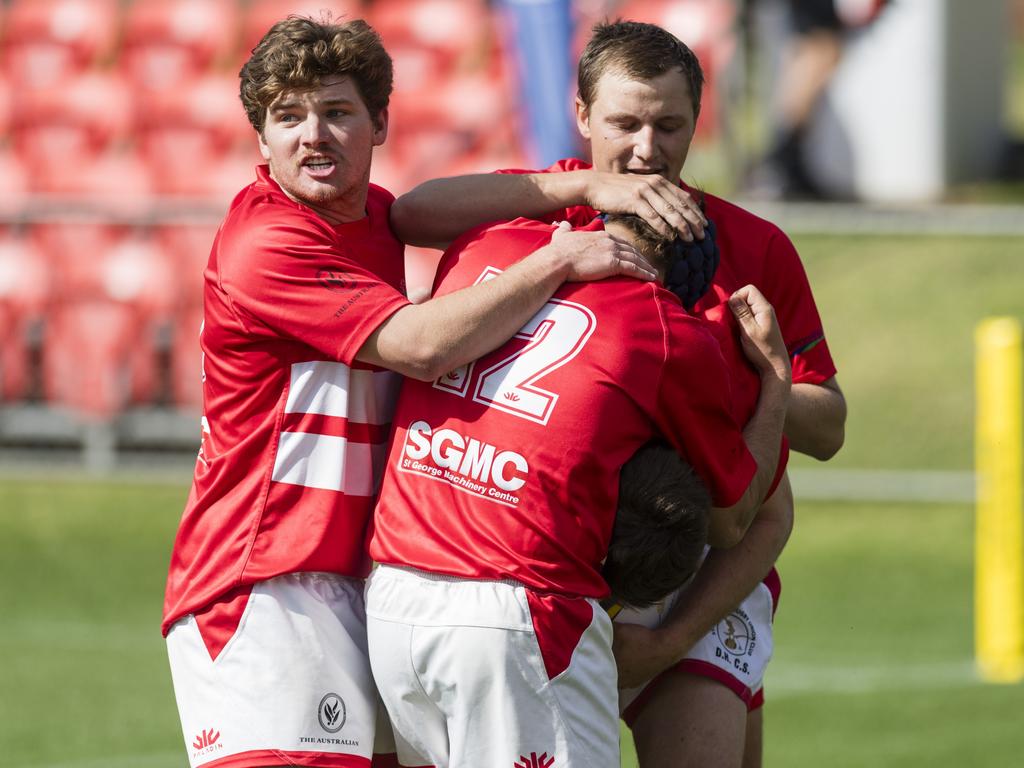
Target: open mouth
{"points": [[320, 166]]}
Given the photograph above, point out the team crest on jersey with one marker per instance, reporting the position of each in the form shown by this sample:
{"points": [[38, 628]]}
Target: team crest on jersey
{"points": [[334, 280], [535, 761], [465, 463]]}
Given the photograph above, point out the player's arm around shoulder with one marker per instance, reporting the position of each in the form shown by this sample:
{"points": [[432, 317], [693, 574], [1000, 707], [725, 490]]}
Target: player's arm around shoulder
{"points": [[435, 212], [816, 418], [762, 343], [423, 341]]}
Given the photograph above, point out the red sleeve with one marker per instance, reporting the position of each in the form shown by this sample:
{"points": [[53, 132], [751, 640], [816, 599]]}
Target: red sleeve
{"points": [[577, 215], [291, 277], [784, 283], [693, 409]]}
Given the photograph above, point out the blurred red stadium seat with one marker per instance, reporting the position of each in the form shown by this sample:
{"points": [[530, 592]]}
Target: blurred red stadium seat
{"points": [[451, 29], [87, 357], [79, 118], [25, 291], [186, 359], [104, 332], [46, 41], [5, 106], [708, 27], [196, 140], [170, 41], [14, 185], [74, 138], [261, 15], [187, 248]]}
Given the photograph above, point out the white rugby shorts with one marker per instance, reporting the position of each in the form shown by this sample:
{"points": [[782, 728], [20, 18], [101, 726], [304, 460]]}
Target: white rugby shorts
{"points": [[489, 673], [735, 653], [277, 674]]}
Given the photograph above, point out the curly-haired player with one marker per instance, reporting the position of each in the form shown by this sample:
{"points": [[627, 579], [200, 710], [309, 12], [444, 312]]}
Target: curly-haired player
{"points": [[305, 330]]}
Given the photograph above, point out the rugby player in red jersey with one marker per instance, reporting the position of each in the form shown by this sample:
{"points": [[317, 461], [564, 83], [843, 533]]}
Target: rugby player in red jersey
{"points": [[487, 640], [637, 106], [305, 332]]}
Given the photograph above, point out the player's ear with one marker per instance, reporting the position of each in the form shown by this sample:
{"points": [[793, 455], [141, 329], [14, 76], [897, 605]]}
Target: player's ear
{"points": [[582, 118], [264, 149], [380, 127]]}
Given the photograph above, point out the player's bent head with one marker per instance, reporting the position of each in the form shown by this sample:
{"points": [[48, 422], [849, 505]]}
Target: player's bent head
{"points": [[299, 53], [651, 244], [661, 526], [641, 52]]}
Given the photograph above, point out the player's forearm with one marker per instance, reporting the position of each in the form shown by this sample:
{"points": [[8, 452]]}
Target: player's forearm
{"points": [[424, 341], [727, 576], [437, 211], [763, 436], [816, 419]]}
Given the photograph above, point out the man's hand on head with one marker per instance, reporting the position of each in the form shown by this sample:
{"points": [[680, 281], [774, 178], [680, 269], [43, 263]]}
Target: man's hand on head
{"points": [[594, 255], [667, 207]]}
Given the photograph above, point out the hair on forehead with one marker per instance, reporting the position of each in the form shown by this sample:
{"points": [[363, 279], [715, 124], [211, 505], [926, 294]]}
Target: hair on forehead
{"points": [[639, 51], [300, 53]]}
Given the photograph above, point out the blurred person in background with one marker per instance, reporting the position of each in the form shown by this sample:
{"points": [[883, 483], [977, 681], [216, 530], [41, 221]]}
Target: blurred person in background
{"points": [[637, 106], [813, 51], [305, 331]]}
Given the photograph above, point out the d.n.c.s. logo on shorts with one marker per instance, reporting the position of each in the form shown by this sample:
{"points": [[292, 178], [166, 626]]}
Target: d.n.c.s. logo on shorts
{"points": [[737, 639]]}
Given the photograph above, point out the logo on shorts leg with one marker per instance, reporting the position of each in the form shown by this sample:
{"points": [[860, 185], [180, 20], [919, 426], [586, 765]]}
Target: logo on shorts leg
{"points": [[737, 639], [332, 713], [535, 761], [206, 743]]}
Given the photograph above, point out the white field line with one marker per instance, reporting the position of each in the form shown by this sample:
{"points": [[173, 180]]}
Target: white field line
{"points": [[968, 220], [883, 485], [791, 679]]}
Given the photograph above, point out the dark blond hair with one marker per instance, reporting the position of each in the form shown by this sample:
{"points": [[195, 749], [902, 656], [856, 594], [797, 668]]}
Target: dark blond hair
{"points": [[640, 51], [298, 53]]}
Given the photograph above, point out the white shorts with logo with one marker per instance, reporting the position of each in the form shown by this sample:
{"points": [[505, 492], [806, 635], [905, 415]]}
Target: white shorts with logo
{"points": [[735, 653], [489, 673], [286, 683]]}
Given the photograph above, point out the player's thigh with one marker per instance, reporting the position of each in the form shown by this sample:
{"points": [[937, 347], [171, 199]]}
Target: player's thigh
{"points": [[292, 678], [513, 676], [690, 721], [417, 726], [754, 749]]}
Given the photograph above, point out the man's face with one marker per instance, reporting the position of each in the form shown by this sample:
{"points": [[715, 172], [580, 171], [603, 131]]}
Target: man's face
{"points": [[639, 126], [319, 144]]}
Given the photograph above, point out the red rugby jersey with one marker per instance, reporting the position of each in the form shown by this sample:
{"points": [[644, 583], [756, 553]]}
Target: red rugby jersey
{"points": [[753, 251], [294, 429], [509, 467]]}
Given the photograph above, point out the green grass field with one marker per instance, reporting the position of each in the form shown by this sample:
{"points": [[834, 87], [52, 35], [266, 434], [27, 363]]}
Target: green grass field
{"points": [[873, 663]]}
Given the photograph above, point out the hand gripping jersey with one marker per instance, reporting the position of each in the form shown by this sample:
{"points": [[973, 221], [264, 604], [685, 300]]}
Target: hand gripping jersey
{"points": [[753, 251], [508, 468], [294, 430]]}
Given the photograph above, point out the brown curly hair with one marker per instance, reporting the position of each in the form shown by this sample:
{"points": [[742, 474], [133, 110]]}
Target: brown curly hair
{"points": [[298, 53]]}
